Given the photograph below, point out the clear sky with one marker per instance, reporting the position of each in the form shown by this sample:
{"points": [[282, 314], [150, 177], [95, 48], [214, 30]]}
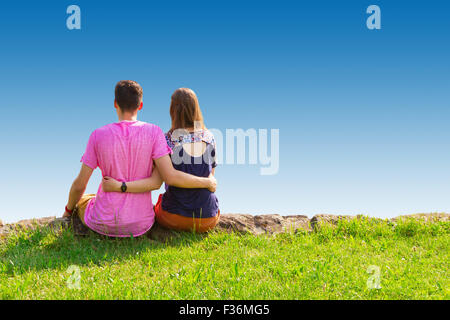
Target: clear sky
{"points": [[363, 114]]}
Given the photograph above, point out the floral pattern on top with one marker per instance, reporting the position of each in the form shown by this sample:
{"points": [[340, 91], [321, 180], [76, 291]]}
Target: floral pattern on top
{"points": [[174, 140]]}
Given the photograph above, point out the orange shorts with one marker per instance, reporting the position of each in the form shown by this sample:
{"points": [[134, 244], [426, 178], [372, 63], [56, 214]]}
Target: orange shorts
{"points": [[82, 204], [181, 223]]}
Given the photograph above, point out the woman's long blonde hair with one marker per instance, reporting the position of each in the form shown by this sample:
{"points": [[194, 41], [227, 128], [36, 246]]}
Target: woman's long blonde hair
{"points": [[185, 110]]}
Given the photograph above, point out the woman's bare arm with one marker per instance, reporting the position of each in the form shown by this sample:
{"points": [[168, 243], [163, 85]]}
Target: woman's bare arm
{"points": [[172, 177], [181, 179]]}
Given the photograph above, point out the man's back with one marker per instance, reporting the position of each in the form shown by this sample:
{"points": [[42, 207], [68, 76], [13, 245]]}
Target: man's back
{"points": [[124, 151]]}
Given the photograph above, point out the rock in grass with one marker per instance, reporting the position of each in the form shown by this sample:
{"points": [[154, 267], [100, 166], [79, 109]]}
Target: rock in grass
{"points": [[4, 231], [240, 223], [262, 224], [60, 223], [427, 217], [321, 219], [243, 223], [28, 224], [31, 224]]}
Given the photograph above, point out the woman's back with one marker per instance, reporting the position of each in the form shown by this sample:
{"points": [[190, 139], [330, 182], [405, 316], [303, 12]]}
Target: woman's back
{"points": [[193, 153]]}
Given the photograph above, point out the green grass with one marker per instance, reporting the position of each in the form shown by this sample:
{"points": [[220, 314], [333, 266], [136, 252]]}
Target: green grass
{"points": [[331, 263]]}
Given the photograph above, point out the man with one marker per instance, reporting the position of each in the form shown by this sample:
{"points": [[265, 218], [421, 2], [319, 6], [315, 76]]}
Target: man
{"points": [[126, 151]]}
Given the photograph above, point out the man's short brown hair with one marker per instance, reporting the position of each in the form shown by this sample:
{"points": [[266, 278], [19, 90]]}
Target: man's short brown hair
{"points": [[128, 95]]}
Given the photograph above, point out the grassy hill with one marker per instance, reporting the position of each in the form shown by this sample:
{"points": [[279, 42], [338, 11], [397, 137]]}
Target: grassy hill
{"points": [[333, 262]]}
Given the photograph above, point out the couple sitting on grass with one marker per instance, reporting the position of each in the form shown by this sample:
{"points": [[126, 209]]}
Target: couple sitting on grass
{"points": [[135, 157]]}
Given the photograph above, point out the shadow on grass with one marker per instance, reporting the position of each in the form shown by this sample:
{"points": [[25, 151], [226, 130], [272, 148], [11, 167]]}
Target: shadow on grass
{"points": [[44, 249]]}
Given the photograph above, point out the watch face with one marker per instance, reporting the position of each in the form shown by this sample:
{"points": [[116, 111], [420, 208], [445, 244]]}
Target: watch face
{"points": [[123, 187]]}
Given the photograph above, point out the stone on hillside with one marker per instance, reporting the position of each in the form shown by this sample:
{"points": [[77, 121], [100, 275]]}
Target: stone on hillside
{"points": [[33, 223], [4, 231], [60, 223], [320, 219], [262, 224], [1, 223], [427, 217], [333, 220], [240, 223], [297, 222]]}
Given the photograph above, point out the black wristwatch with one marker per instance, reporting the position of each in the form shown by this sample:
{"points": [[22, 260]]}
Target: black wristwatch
{"points": [[123, 187]]}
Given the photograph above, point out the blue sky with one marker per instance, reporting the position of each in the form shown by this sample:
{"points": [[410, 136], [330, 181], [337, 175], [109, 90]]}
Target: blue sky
{"points": [[363, 114]]}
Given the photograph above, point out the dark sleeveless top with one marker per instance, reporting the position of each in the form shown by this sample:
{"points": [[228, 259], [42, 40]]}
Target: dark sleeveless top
{"points": [[197, 203]]}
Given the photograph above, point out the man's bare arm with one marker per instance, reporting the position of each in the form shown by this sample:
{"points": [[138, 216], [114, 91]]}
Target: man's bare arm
{"points": [[78, 187]]}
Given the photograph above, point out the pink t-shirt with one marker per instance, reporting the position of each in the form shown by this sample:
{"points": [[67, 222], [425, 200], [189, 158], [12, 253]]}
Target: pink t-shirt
{"points": [[125, 152]]}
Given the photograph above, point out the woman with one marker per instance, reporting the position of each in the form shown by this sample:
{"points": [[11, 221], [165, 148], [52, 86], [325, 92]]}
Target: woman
{"points": [[193, 148]]}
